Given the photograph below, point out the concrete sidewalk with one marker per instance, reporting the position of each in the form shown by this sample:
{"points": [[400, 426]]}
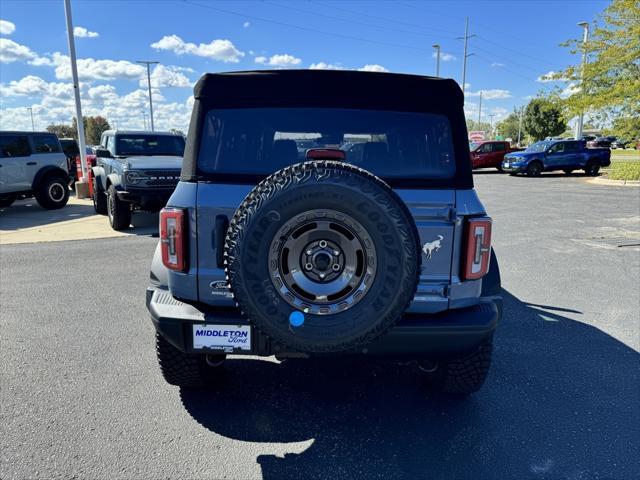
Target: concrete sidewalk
{"points": [[26, 222]]}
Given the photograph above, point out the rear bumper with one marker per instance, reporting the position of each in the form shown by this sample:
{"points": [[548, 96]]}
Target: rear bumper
{"points": [[152, 200], [426, 335], [514, 168]]}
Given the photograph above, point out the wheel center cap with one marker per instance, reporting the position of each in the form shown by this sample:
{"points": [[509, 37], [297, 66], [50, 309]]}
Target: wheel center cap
{"points": [[322, 261]]}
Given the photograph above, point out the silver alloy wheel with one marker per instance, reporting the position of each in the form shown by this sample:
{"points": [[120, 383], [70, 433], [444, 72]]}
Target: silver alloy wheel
{"points": [[56, 192], [322, 262]]}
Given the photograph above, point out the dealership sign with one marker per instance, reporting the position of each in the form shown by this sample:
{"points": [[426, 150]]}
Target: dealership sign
{"points": [[476, 135]]}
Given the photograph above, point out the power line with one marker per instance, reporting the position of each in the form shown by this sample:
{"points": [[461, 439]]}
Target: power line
{"points": [[356, 22], [307, 29]]}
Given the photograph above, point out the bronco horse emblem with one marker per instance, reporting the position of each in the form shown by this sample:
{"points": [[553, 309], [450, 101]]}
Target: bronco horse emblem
{"points": [[432, 247]]}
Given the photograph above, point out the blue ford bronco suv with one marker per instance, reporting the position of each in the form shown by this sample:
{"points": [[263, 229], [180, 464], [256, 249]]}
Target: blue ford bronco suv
{"points": [[386, 254]]}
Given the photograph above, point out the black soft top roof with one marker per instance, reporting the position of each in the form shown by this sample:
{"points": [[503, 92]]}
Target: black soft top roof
{"points": [[329, 88]]}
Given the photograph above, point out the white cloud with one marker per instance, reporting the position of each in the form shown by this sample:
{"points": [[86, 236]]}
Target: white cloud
{"points": [[570, 89], [246, 24], [326, 66], [7, 27], [92, 69], [445, 57], [168, 76], [82, 32], [497, 64], [11, 51], [280, 60], [491, 94], [373, 68], [548, 77], [33, 86], [221, 50]]}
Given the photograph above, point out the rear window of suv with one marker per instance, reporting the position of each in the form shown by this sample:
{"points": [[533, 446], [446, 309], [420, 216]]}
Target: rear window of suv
{"points": [[130, 145], [259, 141]]}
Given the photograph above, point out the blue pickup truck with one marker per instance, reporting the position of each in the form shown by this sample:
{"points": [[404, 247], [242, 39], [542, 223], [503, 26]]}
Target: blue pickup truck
{"points": [[566, 155]]}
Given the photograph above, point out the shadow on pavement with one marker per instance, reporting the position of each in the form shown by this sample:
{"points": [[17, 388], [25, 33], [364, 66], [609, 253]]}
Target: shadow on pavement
{"points": [[562, 401], [27, 214]]}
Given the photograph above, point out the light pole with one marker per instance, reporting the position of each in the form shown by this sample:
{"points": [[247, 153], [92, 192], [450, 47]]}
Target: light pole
{"points": [[144, 119], [480, 109], [520, 124], [491, 124], [437, 47], [585, 38], [33, 128], [148, 64]]}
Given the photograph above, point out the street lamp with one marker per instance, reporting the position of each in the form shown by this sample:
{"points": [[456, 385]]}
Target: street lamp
{"points": [[437, 47], [148, 64], [585, 38], [33, 128]]}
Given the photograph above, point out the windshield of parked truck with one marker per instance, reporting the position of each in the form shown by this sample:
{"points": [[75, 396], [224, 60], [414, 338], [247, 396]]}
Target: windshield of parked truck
{"points": [[134, 145], [538, 147], [390, 144]]}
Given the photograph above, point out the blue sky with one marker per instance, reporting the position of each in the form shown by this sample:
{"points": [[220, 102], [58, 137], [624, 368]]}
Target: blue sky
{"points": [[516, 42]]}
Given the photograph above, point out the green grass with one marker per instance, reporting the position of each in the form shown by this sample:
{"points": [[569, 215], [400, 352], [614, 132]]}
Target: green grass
{"points": [[625, 153], [625, 171]]}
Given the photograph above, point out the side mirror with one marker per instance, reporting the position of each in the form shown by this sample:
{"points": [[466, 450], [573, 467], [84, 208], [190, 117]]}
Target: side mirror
{"points": [[103, 153]]}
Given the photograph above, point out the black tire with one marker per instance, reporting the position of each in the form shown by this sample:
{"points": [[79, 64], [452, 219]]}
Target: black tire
{"points": [[466, 374], [7, 200], [534, 169], [296, 194], [592, 168], [500, 169], [184, 370], [119, 212], [99, 199], [568, 171], [52, 192]]}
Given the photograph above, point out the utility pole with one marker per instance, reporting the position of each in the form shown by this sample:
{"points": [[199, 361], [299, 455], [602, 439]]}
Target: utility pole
{"points": [[465, 55], [437, 47], [520, 124], [491, 124], [144, 119], [148, 64], [480, 109], [33, 128], [585, 37], [76, 93]]}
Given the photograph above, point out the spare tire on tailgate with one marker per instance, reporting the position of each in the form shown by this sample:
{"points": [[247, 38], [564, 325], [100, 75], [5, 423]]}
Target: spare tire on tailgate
{"points": [[322, 256]]}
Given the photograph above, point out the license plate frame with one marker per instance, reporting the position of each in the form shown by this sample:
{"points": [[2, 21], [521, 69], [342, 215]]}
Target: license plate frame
{"points": [[221, 337]]}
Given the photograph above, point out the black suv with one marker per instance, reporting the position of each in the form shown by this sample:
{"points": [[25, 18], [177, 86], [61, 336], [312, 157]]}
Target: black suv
{"points": [[386, 252]]}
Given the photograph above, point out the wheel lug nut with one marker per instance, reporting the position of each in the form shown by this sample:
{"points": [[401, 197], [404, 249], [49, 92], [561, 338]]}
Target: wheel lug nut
{"points": [[336, 267], [323, 244], [336, 253], [321, 275], [308, 266], [309, 252]]}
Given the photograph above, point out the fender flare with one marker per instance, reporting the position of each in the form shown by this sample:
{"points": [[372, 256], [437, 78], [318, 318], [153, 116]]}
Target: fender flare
{"points": [[101, 181], [46, 171], [113, 179], [491, 282]]}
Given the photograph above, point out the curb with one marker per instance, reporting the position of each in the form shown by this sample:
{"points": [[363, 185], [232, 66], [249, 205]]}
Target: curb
{"points": [[616, 183]]}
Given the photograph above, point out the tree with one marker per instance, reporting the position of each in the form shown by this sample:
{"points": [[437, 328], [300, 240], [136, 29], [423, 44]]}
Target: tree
{"points": [[612, 75], [63, 131], [509, 127], [544, 117], [625, 128], [94, 126]]}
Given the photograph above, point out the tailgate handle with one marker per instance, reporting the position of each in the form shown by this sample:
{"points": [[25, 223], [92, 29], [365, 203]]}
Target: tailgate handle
{"points": [[219, 233]]}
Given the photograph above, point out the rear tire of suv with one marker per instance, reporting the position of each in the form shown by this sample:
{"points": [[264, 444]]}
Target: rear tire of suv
{"points": [[99, 199], [185, 370], [52, 193], [466, 374], [592, 168], [119, 212], [7, 200], [534, 169], [568, 171]]}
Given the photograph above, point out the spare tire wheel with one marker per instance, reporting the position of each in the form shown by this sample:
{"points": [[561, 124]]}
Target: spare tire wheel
{"points": [[322, 256]]}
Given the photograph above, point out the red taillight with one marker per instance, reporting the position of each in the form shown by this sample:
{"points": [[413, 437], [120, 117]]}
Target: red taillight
{"points": [[478, 248], [325, 154], [173, 239]]}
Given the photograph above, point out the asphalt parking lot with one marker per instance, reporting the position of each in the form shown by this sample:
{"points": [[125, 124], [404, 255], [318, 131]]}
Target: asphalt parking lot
{"points": [[81, 394]]}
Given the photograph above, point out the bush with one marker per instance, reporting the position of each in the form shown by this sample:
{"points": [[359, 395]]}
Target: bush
{"points": [[625, 171]]}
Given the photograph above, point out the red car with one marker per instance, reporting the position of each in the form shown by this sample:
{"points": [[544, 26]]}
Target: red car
{"points": [[490, 154]]}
